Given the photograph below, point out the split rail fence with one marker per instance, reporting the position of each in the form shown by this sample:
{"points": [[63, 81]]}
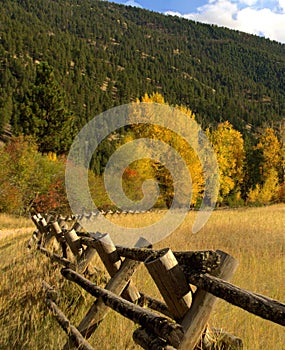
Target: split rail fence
{"points": [[189, 281]]}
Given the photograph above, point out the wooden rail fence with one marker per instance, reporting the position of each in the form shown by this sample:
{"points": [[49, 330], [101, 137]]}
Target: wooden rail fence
{"points": [[180, 322]]}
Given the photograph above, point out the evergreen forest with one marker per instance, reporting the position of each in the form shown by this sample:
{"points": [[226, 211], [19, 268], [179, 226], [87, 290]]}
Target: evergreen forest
{"points": [[65, 61]]}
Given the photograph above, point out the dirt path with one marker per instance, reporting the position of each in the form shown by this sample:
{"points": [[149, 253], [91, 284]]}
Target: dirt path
{"points": [[16, 231]]}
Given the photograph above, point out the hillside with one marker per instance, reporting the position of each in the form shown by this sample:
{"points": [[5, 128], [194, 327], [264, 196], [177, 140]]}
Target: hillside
{"points": [[106, 54]]}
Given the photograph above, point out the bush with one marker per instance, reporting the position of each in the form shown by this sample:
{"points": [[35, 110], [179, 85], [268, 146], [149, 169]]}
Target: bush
{"points": [[25, 175]]}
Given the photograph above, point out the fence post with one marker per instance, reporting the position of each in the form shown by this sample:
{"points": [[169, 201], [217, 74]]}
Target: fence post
{"points": [[107, 252], [120, 281], [74, 242], [44, 235], [85, 259], [112, 261], [171, 282], [195, 321]]}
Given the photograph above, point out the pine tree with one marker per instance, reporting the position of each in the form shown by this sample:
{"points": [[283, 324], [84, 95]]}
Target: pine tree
{"points": [[43, 113]]}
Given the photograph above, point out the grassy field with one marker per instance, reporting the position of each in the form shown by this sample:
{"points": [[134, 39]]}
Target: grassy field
{"points": [[12, 222], [254, 236]]}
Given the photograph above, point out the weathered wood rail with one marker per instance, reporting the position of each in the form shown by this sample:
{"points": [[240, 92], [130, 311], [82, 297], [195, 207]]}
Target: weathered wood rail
{"points": [[181, 321]]}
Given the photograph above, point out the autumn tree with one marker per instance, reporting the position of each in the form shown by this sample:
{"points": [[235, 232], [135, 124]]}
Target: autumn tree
{"points": [[228, 144], [269, 149], [26, 174], [166, 135]]}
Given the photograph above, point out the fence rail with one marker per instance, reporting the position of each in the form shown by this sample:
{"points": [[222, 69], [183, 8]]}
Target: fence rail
{"points": [[181, 321]]}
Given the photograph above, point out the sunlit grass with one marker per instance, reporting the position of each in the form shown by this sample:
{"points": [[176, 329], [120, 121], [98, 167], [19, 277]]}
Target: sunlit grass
{"points": [[10, 222], [255, 237]]}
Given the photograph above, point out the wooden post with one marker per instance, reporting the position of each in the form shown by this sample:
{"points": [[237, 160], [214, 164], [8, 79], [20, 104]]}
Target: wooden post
{"points": [[161, 326], [37, 234], [112, 261], [62, 223], [107, 252], [85, 259], [98, 310], [43, 224], [42, 227], [149, 341], [36, 221], [74, 242], [118, 283], [59, 235], [57, 230], [195, 321], [34, 239], [171, 282]]}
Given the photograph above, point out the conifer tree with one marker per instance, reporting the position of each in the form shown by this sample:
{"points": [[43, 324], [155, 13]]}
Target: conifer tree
{"points": [[43, 113]]}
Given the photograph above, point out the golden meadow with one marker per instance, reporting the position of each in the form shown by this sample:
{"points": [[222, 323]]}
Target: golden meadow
{"points": [[254, 236]]}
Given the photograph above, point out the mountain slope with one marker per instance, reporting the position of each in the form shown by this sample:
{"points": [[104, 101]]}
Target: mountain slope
{"points": [[106, 54]]}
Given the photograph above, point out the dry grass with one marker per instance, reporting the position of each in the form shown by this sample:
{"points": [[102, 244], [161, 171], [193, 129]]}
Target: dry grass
{"points": [[255, 237], [14, 225], [11, 222]]}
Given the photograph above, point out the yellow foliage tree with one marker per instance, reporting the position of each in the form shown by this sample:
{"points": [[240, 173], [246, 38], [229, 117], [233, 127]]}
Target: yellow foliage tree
{"points": [[270, 148], [228, 144], [158, 171], [271, 163], [266, 193]]}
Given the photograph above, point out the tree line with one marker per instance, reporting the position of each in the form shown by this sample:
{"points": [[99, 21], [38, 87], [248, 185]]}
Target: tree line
{"points": [[64, 62], [251, 168]]}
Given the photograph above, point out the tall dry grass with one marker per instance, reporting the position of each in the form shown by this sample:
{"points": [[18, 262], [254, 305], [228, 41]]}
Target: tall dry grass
{"points": [[255, 237], [11, 222]]}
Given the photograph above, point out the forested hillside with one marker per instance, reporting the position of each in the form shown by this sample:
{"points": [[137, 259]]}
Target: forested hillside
{"points": [[104, 54], [65, 61]]}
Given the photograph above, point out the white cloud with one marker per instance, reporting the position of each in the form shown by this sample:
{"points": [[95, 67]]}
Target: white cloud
{"points": [[281, 4], [173, 13], [133, 3], [248, 2], [251, 16]]}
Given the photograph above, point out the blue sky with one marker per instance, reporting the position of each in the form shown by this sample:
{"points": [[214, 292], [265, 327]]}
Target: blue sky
{"points": [[261, 17], [183, 6]]}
